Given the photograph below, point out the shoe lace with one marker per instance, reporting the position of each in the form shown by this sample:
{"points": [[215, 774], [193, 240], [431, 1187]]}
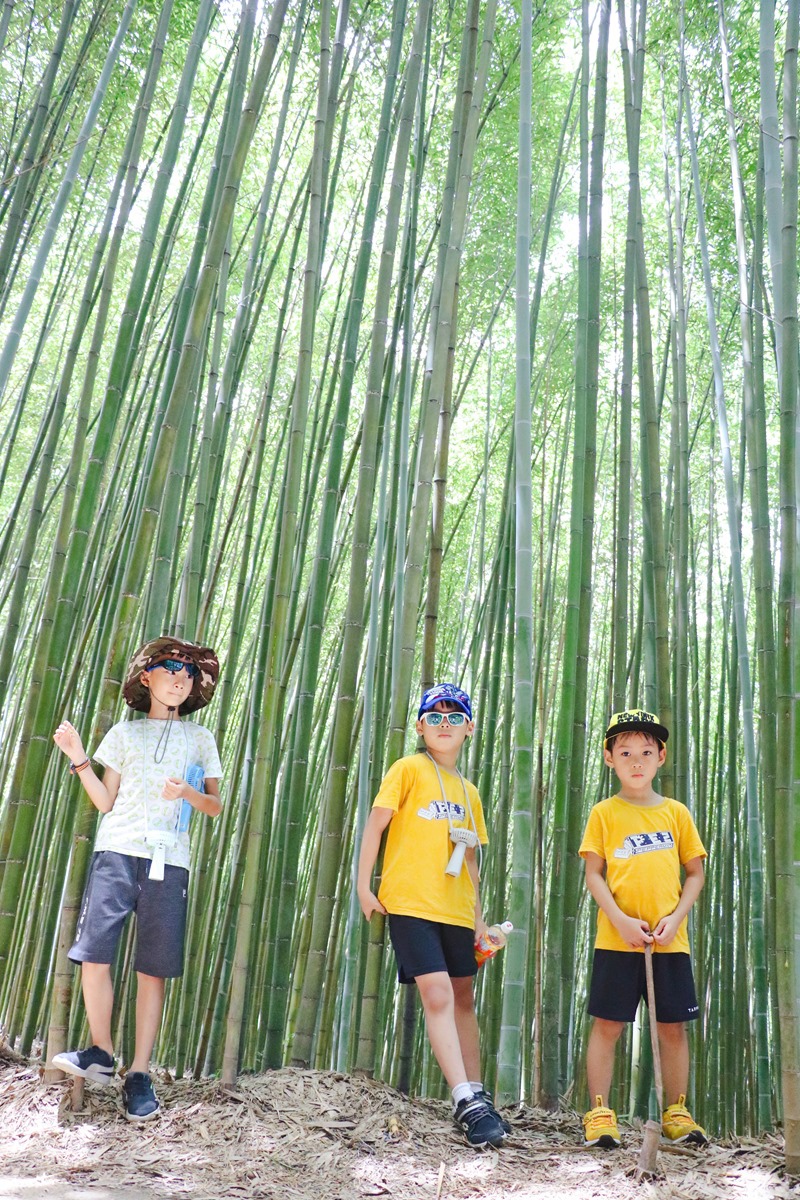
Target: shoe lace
{"points": [[678, 1114], [474, 1110], [599, 1116]]}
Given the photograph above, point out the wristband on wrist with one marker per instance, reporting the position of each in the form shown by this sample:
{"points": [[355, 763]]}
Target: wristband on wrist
{"points": [[76, 768]]}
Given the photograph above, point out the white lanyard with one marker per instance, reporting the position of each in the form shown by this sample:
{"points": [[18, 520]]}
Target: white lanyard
{"points": [[162, 840], [467, 805]]}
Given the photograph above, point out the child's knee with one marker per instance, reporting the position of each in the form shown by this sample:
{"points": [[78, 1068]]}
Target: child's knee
{"points": [[436, 992], [672, 1032], [609, 1031], [95, 971]]}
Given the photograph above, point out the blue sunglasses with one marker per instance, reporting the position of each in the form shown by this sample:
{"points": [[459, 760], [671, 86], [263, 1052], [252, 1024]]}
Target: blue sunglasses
{"points": [[175, 666], [454, 719]]}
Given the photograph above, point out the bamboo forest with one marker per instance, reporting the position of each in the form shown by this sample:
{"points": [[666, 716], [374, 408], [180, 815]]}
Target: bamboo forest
{"points": [[378, 344]]}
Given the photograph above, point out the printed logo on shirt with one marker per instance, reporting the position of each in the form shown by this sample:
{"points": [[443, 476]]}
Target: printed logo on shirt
{"points": [[643, 843], [438, 810]]}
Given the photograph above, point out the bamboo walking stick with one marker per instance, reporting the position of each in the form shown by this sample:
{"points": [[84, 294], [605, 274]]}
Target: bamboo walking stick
{"points": [[647, 1165]]}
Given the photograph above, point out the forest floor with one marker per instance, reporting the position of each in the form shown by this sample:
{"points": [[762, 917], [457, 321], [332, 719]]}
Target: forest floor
{"points": [[310, 1135]]}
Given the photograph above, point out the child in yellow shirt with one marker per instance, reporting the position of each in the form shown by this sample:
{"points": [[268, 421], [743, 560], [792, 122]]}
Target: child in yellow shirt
{"points": [[634, 846], [434, 910]]}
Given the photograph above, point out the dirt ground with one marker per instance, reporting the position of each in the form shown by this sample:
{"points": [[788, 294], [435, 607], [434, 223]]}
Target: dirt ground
{"points": [[307, 1135]]}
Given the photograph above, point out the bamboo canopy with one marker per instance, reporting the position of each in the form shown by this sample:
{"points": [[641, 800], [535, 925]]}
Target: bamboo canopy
{"points": [[379, 344]]}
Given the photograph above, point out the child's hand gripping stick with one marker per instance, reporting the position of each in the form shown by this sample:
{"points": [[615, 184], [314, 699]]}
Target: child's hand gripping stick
{"points": [[462, 838]]}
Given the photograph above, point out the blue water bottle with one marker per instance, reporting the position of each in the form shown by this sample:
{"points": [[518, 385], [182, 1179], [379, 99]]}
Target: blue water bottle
{"points": [[195, 777]]}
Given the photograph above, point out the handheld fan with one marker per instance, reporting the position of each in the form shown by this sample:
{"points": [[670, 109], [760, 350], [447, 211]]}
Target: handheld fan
{"points": [[462, 838]]}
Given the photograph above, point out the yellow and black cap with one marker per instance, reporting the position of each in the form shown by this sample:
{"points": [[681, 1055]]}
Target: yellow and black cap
{"points": [[636, 720]]}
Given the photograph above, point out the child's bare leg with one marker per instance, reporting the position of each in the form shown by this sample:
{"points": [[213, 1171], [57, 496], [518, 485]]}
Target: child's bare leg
{"points": [[98, 998], [149, 1005], [467, 1025], [674, 1042], [436, 993], [600, 1057]]}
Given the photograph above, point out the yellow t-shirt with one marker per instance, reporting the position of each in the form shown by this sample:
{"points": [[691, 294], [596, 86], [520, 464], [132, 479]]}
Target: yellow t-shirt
{"points": [[418, 845], [644, 849]]}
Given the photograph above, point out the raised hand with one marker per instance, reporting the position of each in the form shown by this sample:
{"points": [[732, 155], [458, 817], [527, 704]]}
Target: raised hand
{"points": [[68, 740]]}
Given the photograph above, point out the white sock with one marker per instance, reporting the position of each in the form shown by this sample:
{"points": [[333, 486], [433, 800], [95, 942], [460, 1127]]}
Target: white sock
{"points": [[476, 1087], [462, 1091]]}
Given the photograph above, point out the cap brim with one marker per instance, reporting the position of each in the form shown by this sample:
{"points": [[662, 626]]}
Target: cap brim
{"points": [[444, 700], [660, 732]]}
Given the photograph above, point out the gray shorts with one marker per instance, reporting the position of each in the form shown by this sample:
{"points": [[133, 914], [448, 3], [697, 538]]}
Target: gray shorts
{"points": [[118, 885]]}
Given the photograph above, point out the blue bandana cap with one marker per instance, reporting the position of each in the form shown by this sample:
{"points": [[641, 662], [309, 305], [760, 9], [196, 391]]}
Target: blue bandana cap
{"points": [[445, 691]]}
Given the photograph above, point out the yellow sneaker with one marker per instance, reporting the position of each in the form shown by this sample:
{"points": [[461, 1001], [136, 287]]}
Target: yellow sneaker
{"points": [[600, 1126], [678, 1125]]}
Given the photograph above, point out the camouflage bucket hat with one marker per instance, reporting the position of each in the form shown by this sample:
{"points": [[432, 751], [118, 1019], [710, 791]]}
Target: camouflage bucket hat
{"points": [[151, 653]]}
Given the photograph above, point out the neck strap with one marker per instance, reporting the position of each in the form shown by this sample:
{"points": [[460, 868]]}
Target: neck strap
{"points": [[467, 804]]}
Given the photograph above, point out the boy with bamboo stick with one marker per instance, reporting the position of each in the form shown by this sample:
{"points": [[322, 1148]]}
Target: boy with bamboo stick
{"points": [[431, 893], [156, 772], [634, 847]]}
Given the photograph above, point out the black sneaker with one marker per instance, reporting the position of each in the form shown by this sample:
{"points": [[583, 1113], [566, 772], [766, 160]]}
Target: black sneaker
{"points": [[91, 1063], [141, 1103], [483, 1095], [481, 1126]]}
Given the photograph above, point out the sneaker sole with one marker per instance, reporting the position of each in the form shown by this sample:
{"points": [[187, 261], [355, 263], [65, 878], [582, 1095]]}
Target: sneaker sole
{"points": [[95, 1073], [495, 1144], [604, 1142], [132, 1117], [688, 1139]]}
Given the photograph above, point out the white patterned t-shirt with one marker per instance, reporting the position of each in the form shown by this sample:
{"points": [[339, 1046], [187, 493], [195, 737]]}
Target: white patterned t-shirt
{"points": [[146, 753]]}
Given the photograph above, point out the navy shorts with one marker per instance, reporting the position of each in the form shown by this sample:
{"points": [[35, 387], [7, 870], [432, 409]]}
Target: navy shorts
{"points": [[422, 947], [619, 983], [118, 885]]}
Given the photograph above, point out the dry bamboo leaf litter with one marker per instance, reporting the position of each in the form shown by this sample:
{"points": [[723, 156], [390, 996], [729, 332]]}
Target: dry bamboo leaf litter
{"points": [[306, 1135]]}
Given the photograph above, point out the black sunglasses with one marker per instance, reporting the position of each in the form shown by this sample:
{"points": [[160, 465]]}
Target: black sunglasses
{"points": [[175, 666]]}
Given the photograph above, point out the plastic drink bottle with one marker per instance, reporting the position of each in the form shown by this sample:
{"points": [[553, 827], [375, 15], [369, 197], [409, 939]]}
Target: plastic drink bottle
{"points": [[493, 940]]}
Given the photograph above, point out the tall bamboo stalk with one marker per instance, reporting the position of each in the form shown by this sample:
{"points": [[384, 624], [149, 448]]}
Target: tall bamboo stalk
{"points": [[509, 1075], [785, 787]]}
